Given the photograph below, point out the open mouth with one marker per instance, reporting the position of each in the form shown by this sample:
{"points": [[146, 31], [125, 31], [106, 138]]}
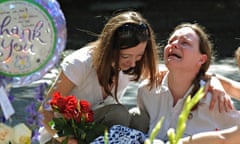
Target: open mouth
{"points": [[174, 55]]}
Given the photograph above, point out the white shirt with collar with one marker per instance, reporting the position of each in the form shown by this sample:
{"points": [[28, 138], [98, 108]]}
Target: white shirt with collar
{"points": [[78, 68], [158, 102]]}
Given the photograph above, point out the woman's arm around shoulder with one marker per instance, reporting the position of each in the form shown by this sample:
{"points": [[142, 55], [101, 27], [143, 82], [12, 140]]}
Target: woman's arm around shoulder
{"points": [[232, 87]]}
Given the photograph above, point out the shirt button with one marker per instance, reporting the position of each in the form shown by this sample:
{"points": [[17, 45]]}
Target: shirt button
{"points": [[190, 116]]}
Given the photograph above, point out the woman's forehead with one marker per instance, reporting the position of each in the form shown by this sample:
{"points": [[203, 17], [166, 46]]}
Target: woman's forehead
{"points": [[187, 32], [138, 49]]}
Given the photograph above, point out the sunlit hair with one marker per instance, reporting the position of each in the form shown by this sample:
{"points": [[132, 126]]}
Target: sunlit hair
{"points": [[124, 31], [237, 56], [205, 47]]}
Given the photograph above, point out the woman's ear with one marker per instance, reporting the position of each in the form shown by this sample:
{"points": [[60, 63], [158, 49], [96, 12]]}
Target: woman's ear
{"points": [[203, 59]]}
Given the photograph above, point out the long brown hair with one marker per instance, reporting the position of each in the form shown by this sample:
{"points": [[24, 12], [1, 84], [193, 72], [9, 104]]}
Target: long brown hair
{"points": [[113, 38]]}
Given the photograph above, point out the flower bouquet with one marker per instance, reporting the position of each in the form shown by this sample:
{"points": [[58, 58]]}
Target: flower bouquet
{"points": [[74, 119]]}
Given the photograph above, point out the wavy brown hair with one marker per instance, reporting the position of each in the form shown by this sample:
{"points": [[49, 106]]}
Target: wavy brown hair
{"points": [[123, 31]]}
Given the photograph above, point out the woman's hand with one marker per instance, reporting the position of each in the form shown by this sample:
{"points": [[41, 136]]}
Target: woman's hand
{"points": [[218, 95], [224, 100]]}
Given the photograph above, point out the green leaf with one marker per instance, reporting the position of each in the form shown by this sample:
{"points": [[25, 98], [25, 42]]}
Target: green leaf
{"points": [[171, 135], [94, 132], [59, 123], [106, 136], [156, 130]]}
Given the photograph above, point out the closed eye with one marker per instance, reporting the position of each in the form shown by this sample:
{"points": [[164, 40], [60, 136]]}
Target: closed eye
{"points": [[184, 43], [125, 56]]}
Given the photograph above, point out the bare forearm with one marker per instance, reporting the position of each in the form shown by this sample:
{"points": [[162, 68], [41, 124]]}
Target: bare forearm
{"points": [[204, 138], [232, 87], [232, 135], [227, 136]]}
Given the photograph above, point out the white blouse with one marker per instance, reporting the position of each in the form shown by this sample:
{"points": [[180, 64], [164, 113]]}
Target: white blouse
{"points": [[159, 103], [78, 68]]}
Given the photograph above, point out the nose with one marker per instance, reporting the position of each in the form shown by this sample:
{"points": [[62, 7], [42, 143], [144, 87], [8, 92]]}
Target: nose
{"points": [[175, 43], [132, 62]]}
